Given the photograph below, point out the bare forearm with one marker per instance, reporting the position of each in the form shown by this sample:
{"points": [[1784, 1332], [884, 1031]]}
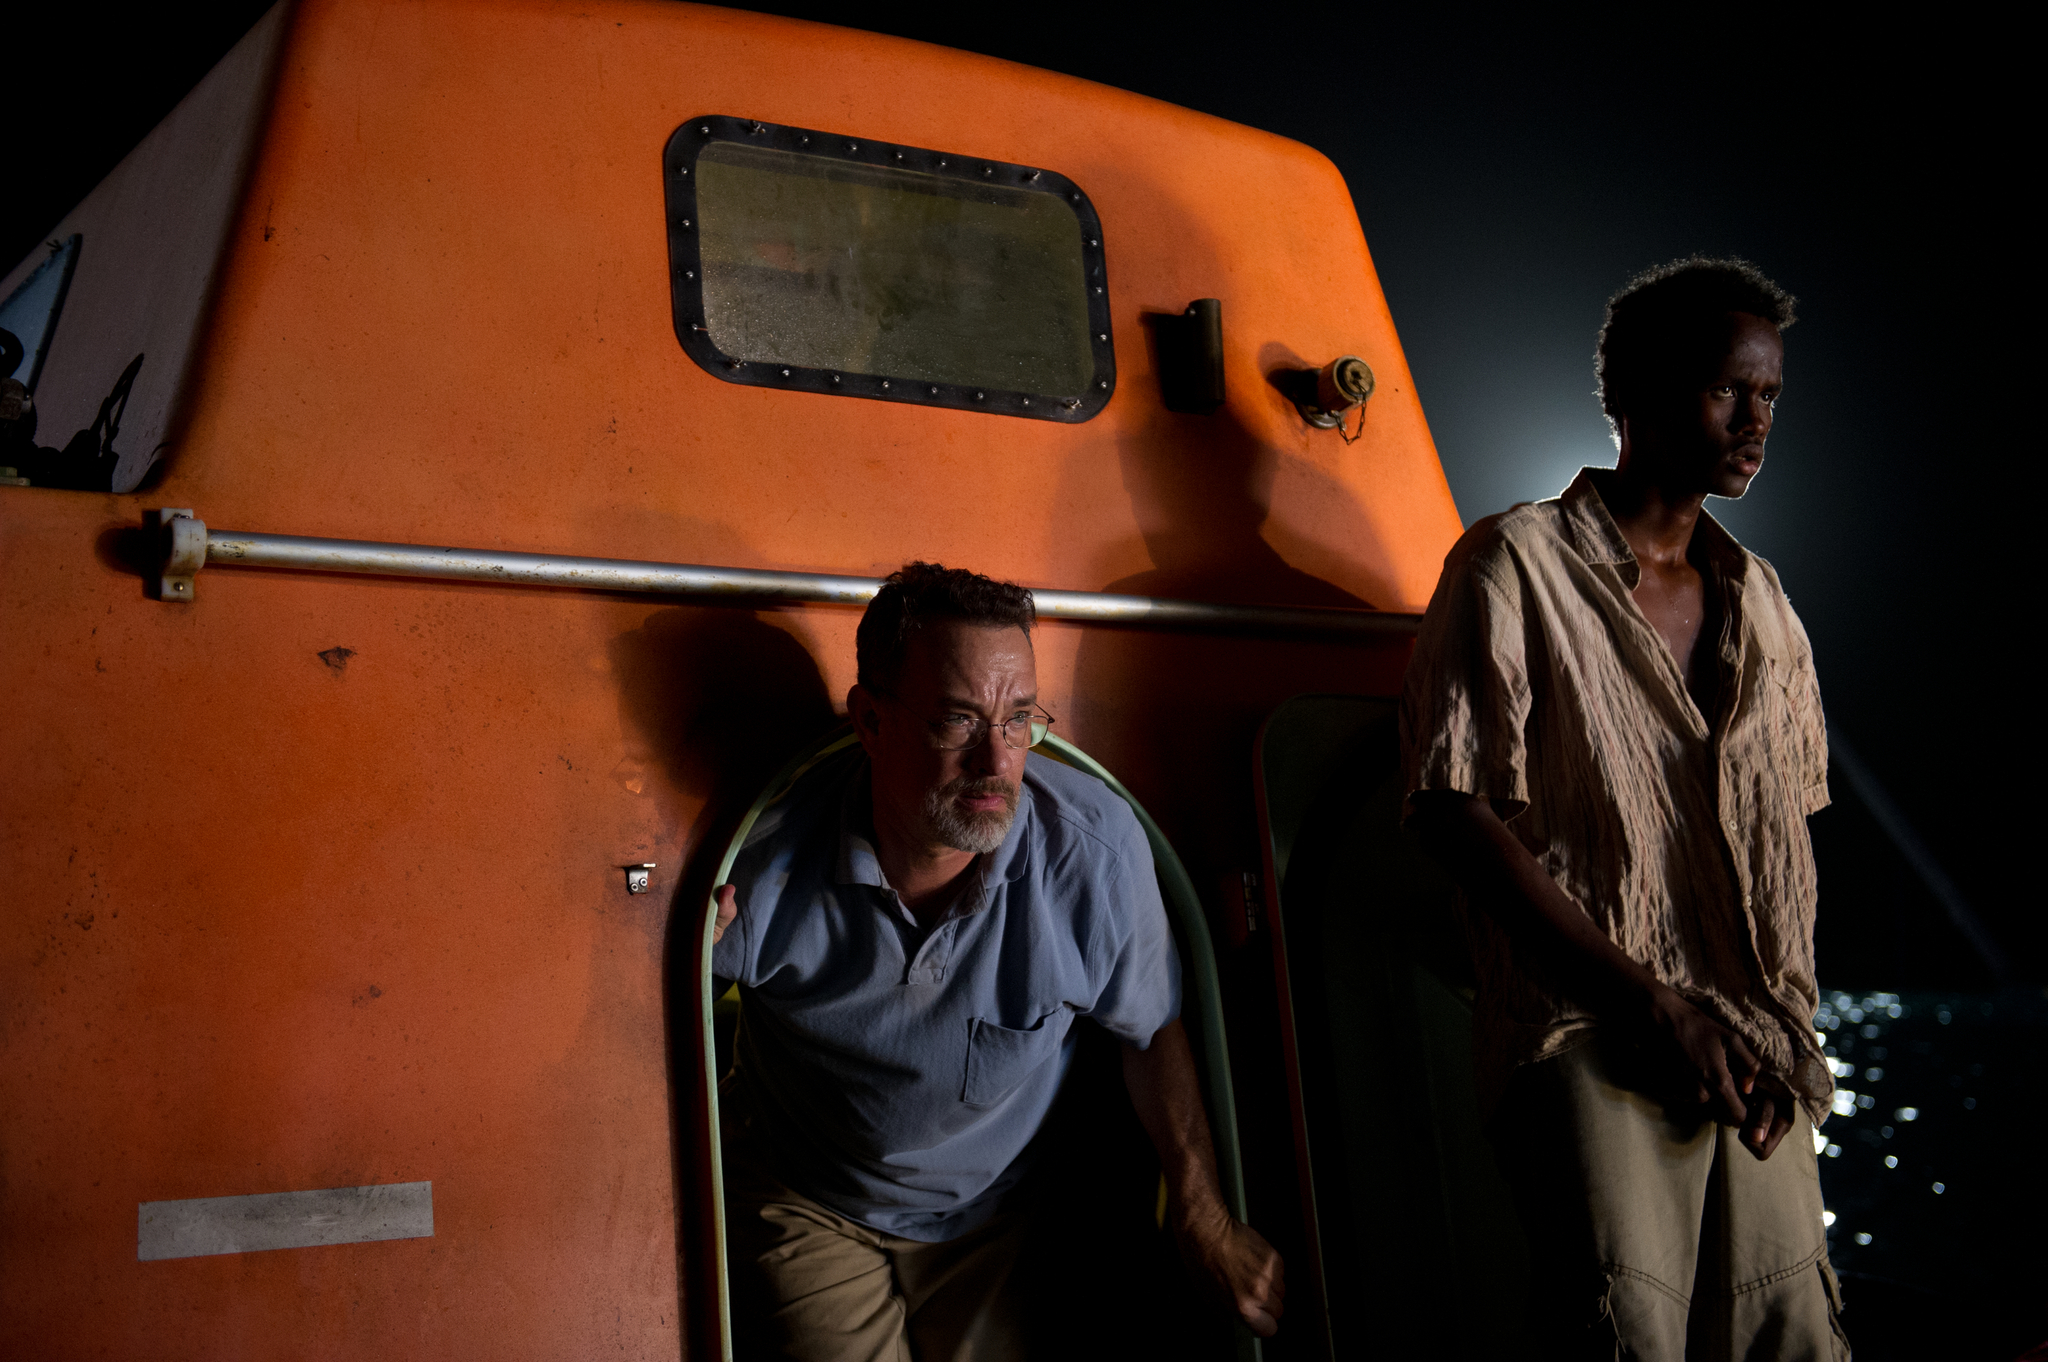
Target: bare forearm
{"points": [[1706, 1062], [1167, 1096], [1239, 1266], [1498, 873]]}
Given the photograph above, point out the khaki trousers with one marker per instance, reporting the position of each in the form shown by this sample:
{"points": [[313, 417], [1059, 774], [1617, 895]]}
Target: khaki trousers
{"points": [[809, 1284], [1659, 1237]]}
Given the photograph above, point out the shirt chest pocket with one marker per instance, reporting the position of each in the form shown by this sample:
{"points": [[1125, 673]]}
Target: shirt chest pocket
{"points": [[1001, 1057]]}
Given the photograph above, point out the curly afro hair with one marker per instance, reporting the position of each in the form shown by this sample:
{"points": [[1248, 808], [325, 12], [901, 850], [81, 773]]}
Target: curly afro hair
{"points": [[918, 594], [1664, 316]]}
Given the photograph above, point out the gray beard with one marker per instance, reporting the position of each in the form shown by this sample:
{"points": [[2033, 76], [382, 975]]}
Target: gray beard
{"points": [[963, 831]]}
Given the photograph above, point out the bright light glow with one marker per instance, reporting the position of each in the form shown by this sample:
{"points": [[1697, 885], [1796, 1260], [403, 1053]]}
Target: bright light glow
{"points": [[1820, 1038], [1865, 1101], [1891, 1160], [1869, 1031], [1820, 1142], [1845, 1102], [1827, 1217], [1841, 1068], [1873, 1075], [1940, 1187], [1855, 1014], [1863, 1237], [1907, 1114], [1895, 1011], [1834, 1151]]}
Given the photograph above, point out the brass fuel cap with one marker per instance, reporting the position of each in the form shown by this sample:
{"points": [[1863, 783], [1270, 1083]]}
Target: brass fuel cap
{"points": [[1333, 392], [1326, 396], [1343, 383]]}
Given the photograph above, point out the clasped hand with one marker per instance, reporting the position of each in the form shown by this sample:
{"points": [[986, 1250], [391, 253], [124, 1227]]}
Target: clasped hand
{"points": [[1716, 1070]]}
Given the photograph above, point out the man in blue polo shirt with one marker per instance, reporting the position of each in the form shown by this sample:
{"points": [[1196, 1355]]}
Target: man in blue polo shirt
{"points": [[914, 944]]}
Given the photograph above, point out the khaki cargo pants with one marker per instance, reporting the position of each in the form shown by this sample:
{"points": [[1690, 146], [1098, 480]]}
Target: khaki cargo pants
{"points": [[811, 1285], [1659, 1239]]}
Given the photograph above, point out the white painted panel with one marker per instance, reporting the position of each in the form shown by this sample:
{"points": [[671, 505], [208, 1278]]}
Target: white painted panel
{"points": [[153, 231], [207, 1225], [33, 306]]}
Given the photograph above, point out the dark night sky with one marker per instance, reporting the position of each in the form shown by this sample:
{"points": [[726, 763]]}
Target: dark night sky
{"points": [[1510, 173]]}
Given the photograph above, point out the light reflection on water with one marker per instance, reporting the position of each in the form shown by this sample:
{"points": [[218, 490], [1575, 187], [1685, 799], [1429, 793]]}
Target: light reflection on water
{"points": [[1926, 1150]]}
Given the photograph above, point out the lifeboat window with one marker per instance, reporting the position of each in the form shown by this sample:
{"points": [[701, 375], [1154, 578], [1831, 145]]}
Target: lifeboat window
{"points": [[829, 264]]}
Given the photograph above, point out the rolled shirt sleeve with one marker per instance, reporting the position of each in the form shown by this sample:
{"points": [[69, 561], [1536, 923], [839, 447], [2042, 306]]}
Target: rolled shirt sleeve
{"points": [[1465, 703], [1810, 724]]}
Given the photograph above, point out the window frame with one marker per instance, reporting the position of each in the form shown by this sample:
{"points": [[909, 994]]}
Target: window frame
{"points": [[686, 286]]}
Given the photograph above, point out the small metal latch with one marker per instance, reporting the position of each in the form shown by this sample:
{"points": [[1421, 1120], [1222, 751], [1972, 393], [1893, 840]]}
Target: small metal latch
{"points": [[1191, 357], [181, 541], [637, 877]]}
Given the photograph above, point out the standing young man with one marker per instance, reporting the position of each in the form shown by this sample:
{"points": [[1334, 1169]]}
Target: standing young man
{"points": [[1613, 737]]}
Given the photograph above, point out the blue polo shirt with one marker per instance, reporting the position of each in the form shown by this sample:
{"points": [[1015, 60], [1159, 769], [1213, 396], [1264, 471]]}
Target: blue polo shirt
{"points": [[900, 1075]]}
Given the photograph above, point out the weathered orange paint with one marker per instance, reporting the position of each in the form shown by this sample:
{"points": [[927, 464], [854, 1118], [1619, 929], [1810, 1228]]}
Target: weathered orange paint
{"points": [[277, 924]]}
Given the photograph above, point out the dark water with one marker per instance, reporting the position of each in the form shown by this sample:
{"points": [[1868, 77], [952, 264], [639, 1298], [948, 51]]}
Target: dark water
{"points": [[1936, 1172]]}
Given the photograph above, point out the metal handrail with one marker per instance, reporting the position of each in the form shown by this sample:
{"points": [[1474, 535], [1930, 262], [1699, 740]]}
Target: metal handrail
{"points": [[192, 545]]}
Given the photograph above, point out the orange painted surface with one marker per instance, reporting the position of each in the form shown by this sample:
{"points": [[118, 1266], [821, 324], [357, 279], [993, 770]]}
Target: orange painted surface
{"points": [[275, 924]]}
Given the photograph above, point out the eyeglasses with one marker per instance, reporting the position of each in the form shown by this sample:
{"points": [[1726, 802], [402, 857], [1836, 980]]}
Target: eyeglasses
{"points": [[965, 732]]}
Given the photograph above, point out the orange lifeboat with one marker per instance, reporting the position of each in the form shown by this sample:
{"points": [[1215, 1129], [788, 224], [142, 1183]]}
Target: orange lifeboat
{"points": [[470, 512]]}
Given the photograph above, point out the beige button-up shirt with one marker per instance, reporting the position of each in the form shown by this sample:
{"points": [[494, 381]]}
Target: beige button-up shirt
{"points": [[1538, 683]]}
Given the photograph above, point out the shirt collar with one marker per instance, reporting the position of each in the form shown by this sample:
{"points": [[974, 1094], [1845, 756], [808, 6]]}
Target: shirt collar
{"points": [[1591, 525], [858, 863], [1598, 539]]}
